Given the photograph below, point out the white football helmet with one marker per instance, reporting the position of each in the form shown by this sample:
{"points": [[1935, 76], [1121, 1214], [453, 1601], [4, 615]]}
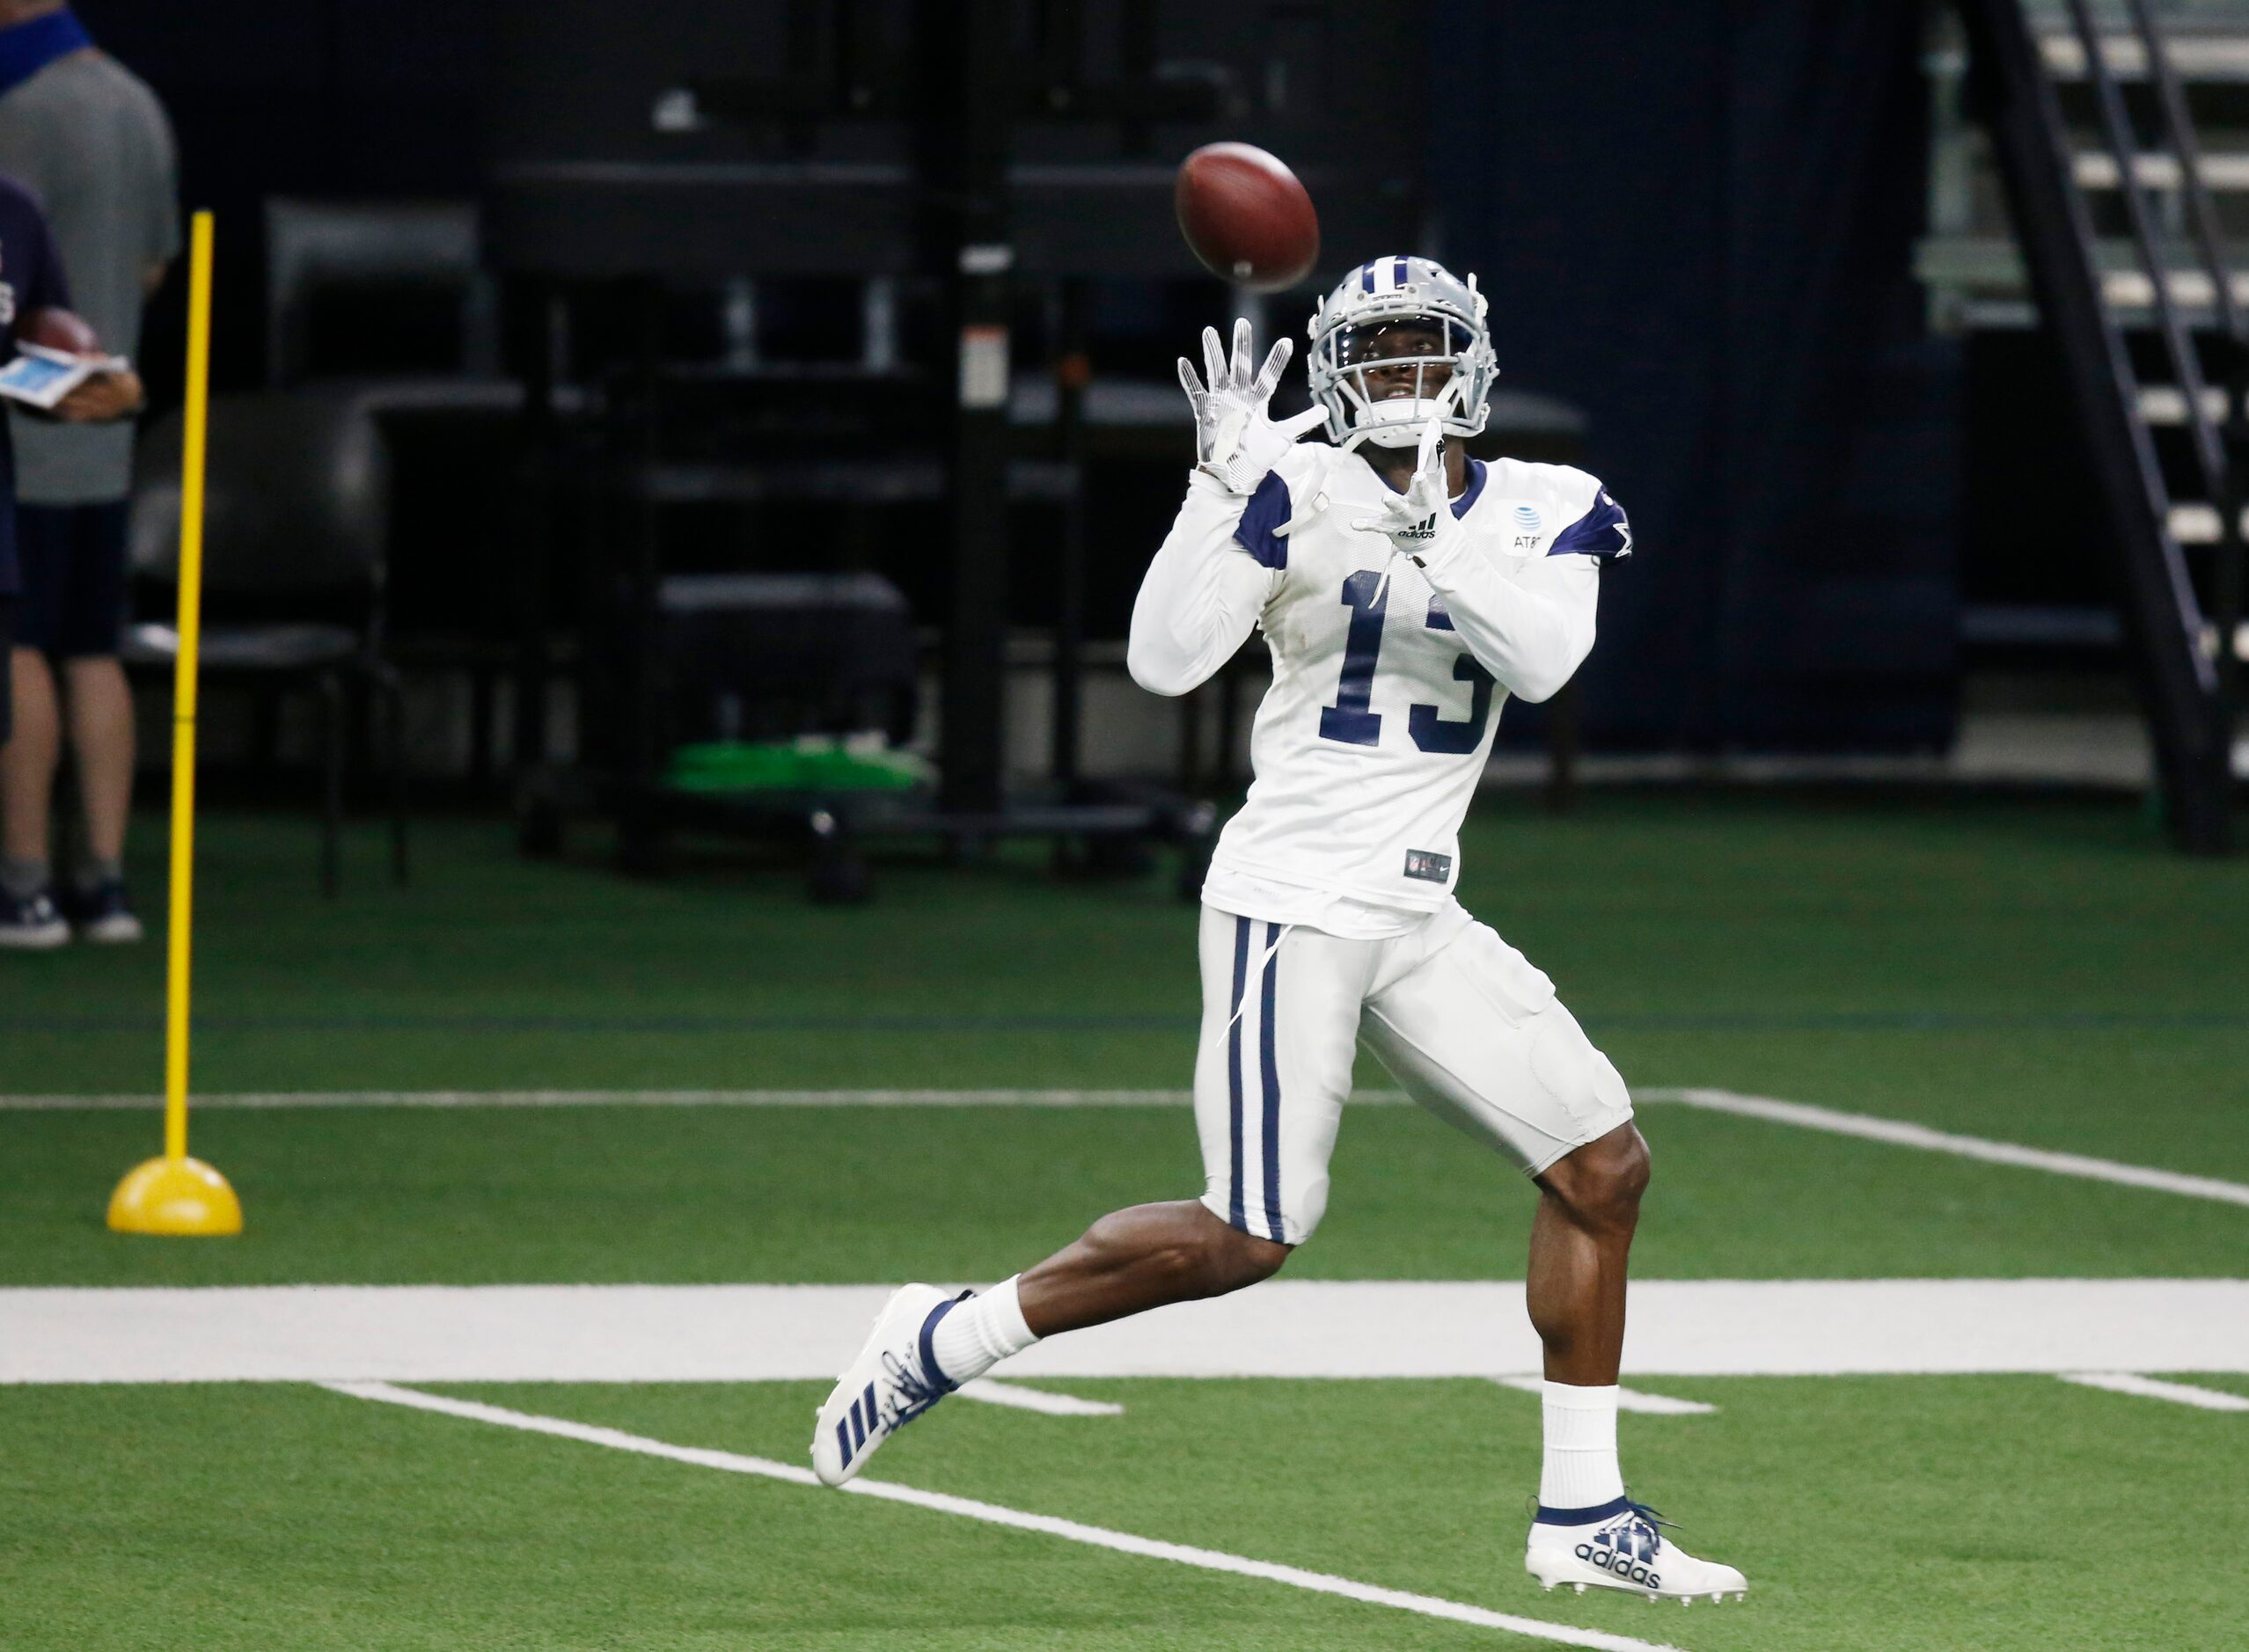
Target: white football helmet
{"points": [[1383, 293]]}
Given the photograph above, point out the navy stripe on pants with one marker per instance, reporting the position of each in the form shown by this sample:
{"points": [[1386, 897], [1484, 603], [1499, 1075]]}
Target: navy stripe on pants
{"points": [[1233, 1064], [1269, 1066]]}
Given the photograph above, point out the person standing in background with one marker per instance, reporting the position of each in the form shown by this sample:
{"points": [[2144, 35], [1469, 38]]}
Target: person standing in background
{"points": [[92, 141], [35, 302]]}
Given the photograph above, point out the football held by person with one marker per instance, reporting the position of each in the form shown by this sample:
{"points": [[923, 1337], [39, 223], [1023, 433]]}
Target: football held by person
{"points": [[1404, 591]]}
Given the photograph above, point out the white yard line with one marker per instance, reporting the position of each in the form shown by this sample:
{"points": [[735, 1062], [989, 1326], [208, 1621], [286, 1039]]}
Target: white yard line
{"points": [[1898, 1133], [1626, 1398], [1039, 1400], [994, 1514], [2148, 1388], [1284, 1328], [1868, 1127]]}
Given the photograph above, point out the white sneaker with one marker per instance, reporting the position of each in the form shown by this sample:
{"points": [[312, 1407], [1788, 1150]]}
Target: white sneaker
{"points": [[1619, 1546], [893, 1381]]}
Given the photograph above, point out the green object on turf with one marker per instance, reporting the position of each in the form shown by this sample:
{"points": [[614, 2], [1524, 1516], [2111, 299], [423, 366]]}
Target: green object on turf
{"points": [[745, 765]]}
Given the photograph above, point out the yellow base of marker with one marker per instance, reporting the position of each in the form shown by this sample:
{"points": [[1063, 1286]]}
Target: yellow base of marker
{"points": [[176, 1196]]}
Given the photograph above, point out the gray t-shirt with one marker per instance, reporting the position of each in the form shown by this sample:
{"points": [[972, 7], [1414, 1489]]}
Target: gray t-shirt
{"points": [[91, 140]]}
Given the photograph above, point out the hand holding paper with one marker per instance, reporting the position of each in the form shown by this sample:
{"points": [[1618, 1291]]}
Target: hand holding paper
{"points": [[78, 388], [112, 392]]}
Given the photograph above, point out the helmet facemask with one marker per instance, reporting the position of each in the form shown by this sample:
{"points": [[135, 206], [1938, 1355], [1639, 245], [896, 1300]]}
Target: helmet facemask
{"points": [[1452, 381], [1371, 379]]}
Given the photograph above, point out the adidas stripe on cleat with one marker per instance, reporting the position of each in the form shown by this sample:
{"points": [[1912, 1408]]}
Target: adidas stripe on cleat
{"points": [[894, 1379], [1621, 1545]]}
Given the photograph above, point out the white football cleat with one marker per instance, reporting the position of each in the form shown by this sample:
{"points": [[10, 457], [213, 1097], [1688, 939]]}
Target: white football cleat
{"points": [[1619, 1546], [893, 1381]]}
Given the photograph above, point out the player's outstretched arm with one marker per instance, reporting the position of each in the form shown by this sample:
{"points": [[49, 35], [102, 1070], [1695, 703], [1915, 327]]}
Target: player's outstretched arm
{"points": [[1532, 633], [1207, 587], [1237, 441], [1200, 597], [1530, 627]]}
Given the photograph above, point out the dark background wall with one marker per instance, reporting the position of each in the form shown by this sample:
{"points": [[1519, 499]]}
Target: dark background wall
{"points": [[327, 98], [1696, 221]]}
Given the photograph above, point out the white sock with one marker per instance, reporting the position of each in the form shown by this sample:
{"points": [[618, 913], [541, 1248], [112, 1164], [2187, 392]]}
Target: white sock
{"points": [[981, 1332], [1580, 1470]]}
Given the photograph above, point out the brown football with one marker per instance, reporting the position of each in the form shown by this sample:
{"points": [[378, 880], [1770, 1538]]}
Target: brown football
{"points": [[58, 330], [1246, 216]]}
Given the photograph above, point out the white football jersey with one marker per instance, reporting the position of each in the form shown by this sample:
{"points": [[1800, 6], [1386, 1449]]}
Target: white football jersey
{"points": [[1388, 677]]}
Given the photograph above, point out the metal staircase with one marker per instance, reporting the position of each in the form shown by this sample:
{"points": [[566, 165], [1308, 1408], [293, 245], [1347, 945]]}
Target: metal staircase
{"points": [[2091, 123]]}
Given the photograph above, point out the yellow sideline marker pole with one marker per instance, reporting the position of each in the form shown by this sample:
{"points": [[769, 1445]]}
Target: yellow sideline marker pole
{"points": [[176, 1194]]}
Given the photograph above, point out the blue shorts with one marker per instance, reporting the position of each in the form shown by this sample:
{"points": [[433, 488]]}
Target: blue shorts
{"points": [[72, 559]]}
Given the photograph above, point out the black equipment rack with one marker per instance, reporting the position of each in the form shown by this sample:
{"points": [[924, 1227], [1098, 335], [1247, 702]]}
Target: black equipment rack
{"points": [[972, 144]]}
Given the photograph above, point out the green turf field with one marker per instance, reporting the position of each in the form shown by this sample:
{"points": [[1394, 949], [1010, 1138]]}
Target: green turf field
{"points": [[2040, 973]]}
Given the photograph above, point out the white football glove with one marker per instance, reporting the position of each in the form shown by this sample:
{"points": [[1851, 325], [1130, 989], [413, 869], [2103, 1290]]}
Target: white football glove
{"points": [[1235, 440], [1418, 518]]}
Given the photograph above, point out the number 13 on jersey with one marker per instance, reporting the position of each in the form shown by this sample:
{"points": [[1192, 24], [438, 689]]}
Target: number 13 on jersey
{"points": [[1351, 719]]}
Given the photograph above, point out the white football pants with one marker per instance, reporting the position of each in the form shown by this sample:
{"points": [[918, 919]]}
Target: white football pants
{"points": [[1462, 1020]]}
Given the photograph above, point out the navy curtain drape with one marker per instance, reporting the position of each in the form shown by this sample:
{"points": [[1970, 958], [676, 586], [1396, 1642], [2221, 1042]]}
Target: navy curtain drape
{"points": [[1697, 222]]}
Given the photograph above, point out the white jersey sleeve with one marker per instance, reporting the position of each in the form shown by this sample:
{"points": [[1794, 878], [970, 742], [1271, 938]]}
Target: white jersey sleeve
{"points": [[1208, 585], [1531, 624]]}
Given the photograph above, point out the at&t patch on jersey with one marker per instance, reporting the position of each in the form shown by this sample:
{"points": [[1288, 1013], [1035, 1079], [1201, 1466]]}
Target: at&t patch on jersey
{"points": [[1430, 868]]}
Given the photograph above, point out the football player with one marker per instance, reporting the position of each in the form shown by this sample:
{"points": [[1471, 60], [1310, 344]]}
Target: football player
{"points": [[1405, 591]]}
